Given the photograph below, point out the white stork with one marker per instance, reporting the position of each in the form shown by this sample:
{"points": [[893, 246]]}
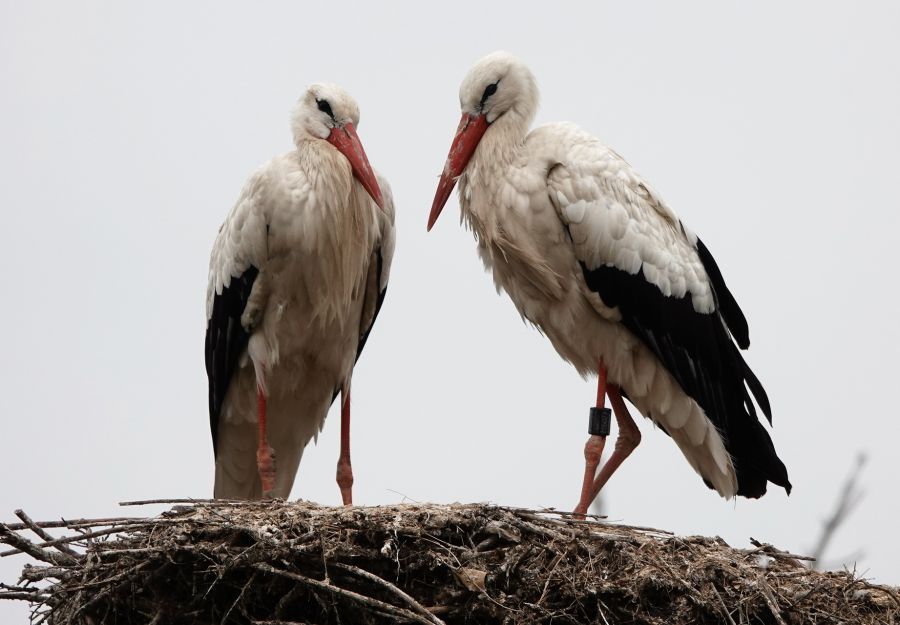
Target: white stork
{"points": [[297, 276], [593, 257]]}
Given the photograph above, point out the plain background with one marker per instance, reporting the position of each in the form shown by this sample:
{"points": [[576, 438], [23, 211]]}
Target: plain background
{"points": [[127, 130]]}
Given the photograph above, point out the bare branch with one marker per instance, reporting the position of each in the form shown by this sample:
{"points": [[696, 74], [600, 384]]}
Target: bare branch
{"points": [[769, 550], [196, 502], [418, 607], [848, 500], [347, 594], [61, 541], [35, 551], [34, 527], [75, 523]]}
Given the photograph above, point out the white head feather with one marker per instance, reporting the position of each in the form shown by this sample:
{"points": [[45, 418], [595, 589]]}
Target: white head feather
{"points": [[516, 89], [308, 119]]}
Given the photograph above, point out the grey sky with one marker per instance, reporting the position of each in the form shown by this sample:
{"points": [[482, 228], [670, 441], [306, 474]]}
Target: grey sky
{"points": [[128, 129]]}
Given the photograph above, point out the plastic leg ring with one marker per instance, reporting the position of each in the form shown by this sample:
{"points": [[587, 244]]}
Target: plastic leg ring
{"points": [[599, 422]]}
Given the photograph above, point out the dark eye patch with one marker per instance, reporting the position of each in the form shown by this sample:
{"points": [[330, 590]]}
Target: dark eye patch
{"points": [[489, 91], [325, 107]]}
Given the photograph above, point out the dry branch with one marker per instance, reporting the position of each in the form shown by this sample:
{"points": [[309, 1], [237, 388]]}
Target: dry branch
{"points": [[42, 533], [214, 562], [848, 500]]}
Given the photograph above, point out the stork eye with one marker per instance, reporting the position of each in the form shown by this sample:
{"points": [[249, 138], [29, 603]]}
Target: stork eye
{"points": [[325, 107], [489, 91]]}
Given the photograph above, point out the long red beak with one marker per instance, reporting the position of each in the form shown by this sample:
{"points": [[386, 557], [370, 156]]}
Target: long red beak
{"points": [[345, 139], [471, 129]]}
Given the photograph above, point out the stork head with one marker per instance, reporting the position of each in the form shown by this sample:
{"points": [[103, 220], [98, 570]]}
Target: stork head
{"points": [[328, 112], [498, 86]]}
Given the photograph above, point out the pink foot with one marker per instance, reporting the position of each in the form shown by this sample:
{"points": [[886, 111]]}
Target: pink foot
{"points": [[344, 470], [265, 462], [345, 481], [593, 450]]}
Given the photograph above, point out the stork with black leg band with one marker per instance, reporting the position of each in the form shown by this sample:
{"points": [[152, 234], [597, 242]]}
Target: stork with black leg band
{"points": [[598, 429], [599, 421]]}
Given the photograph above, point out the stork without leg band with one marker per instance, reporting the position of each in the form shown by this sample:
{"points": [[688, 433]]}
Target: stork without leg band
{"points": [[344, 468], [265, 455]]}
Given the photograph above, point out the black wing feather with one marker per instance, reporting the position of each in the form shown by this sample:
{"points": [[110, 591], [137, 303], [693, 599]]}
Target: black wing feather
{"points": [[699, 353], [226, 340], [364, 332], [728, 306], [364, 336]]}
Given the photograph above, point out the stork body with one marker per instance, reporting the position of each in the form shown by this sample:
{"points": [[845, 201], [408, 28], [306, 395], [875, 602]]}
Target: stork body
{"points": [[592, 256], [297, 276]]}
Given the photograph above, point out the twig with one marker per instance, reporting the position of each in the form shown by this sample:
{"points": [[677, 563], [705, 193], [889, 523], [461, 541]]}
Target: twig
{"points": [[560, 513], [892, 594], [19, 588], [68, 539], [405, 497], [34, 596], [146, 502], [34, 527], [549, 577], [848, 500], [35, 551], [40, 573], [527, 526], [600, 610], [688, 588], [107, 581], [348, 594], [76, 523], [724, 607], [641, 528], [418, 607], [769, 598], [775, 552], [238, 598], [205, 502]]}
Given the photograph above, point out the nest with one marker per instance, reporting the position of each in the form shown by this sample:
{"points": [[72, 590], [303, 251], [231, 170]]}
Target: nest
{"points": [[291, 563]]}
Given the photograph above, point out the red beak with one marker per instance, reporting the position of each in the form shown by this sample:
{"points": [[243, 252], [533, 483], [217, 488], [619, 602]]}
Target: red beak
{"points": [[345, 139], [471, 129]]}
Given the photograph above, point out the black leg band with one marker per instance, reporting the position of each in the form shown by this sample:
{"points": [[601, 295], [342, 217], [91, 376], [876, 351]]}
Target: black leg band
{"points": [[598, 424]]}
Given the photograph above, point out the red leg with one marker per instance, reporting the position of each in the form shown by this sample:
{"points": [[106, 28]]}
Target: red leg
{"points": [[627, 439], [265, 455], [601, 386], [344, 470], [593, 450]]}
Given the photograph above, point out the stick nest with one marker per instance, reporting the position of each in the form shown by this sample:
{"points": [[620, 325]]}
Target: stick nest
{"points": [[291, 563]]}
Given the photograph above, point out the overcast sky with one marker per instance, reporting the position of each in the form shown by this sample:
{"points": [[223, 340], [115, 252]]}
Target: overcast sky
{"points": [[127, 131]]}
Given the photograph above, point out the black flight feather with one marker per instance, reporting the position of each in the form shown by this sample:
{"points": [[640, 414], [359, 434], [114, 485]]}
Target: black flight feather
{"points": [[226, 340], [728, 306], [364, 332]]}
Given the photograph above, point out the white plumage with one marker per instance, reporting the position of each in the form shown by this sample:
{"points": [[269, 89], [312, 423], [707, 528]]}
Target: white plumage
{"points": [[614, 217], [590, 254], [297, 275]]}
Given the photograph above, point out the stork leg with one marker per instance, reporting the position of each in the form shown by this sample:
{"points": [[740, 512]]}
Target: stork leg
{"points": [[265, 455], [628, 438], [344, 470], [593, 450]]}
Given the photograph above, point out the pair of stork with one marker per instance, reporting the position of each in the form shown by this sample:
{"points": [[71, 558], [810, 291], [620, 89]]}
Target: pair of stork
{"points": [[585, 248]]}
